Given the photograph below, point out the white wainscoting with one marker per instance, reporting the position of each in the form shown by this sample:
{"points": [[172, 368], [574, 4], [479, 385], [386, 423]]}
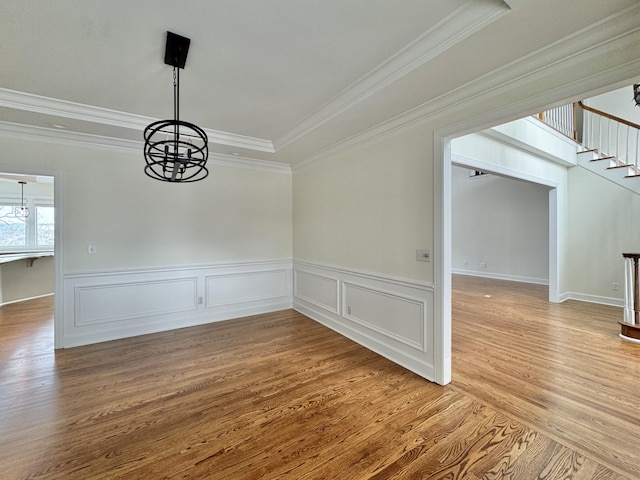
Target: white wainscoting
{"points": [[391, 316], [107, 305]]}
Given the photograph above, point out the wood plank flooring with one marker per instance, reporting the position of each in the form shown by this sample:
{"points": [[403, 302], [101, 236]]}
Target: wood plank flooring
{"points": [[279, 396], [558, 368]]}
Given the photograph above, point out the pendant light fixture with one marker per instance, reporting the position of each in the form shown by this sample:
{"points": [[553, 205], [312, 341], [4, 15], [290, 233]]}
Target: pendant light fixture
{"points": [[22, 211], [636, 93], [175, 150]]}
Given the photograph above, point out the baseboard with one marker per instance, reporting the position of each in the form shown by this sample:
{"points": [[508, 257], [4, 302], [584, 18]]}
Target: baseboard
{"points": [[108, 305], [501, 276], [584, 297], [25, 299], [391, 316]]}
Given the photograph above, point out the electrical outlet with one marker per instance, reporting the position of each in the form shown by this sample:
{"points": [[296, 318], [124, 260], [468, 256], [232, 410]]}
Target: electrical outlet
{"points": [[616, 286], [483, 265], [91, 249], [348, 309], [200, 300]]}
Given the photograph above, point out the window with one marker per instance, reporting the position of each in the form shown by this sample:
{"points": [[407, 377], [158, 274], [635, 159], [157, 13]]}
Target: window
{"points": [[13, 231], [36, 232], [44, 226]]}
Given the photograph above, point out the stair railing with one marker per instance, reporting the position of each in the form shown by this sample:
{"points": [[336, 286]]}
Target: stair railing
{"points": [[611, 136], [562, 119]]}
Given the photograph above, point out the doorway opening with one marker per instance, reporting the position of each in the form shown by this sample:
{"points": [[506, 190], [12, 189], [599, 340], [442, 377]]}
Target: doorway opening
{"points": [[500, 227], [29, 247]]}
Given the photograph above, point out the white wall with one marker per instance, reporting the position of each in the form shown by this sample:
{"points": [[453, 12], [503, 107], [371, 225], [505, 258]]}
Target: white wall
{"points": [[352, 209], [617, 102], [235, 214], [358, 219], [145, 231], [502, 223], [20, 281], [603, 224], [134, 221]]}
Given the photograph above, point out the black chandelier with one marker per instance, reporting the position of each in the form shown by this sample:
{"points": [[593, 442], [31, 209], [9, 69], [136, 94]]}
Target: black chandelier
{"points": [[175, 150], [636, 93]]}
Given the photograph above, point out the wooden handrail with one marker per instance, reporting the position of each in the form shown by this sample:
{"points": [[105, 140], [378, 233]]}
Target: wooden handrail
{"points": [[608, 115]]}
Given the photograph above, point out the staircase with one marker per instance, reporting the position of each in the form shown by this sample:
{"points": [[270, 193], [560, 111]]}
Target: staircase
{"points": [[611, 147]]}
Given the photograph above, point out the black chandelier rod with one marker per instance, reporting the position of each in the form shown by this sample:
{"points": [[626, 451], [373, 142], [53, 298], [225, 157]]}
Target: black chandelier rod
{"points": [[176, 117], [176, 93]]}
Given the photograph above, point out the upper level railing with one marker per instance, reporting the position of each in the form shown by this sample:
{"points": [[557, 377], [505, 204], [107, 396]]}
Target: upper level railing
{"points": [[611, 136], [562, 119], [607, 134]]}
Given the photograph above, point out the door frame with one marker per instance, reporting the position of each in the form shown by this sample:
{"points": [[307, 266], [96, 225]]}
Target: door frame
{"points": [[58, 182]]}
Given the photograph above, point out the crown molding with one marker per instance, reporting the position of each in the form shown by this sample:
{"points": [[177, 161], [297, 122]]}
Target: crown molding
{"points": [[463, 22], [74, 139], [619, 32], [66, 137], [514, 4], [223, 160], [77, 111]]}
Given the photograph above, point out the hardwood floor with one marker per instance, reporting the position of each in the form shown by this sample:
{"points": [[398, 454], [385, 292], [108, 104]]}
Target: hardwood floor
{"points": [[534, 396], [558, 368]]}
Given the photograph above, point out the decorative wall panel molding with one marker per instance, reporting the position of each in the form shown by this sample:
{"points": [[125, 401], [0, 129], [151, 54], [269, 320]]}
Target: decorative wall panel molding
{"points": [[399, 317], [391, 316], [132, 300], [107, 305], [319, 290], [233, 288]]}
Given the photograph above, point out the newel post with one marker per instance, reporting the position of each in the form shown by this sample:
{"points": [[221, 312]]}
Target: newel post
{"points": [[630, 326]]}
